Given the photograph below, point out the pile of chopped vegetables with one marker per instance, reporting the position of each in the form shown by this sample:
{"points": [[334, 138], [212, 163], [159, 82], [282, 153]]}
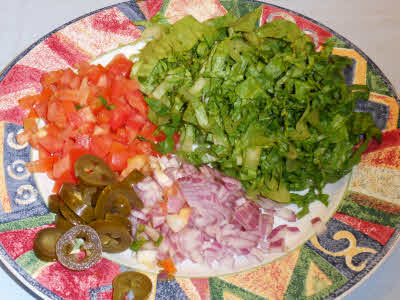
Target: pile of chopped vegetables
{"points": [[260, 115], [201, 215], [257, 103], [97, 110]]}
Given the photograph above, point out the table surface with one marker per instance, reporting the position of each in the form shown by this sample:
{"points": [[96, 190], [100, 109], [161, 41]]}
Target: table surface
{"points": [[371, 25]]}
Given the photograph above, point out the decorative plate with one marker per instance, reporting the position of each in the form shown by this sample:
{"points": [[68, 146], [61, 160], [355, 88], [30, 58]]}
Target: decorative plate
{"points": [[363, 220]]}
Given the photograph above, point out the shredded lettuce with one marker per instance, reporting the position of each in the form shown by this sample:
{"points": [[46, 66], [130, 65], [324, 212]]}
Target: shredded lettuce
{"points": [[256, 102]]}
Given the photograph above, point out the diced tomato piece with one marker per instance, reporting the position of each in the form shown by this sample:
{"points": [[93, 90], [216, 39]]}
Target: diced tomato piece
{"points": [[92, 72], [66, 177], [119, 66], [83, 140], [87, 115], [117, 147], [27, 102], [69, 79], [122, 136], [160, 137], [136, 121], [119, 117], [43, 153], [74, 154], [40, 165], [57, 186], [56, 114], [51, 143], [41, 108], [61, 166], [51, 78], [53, 130], [101, 145], [168, 266], [103, 81], [95, 104], [140, 147], [118, 160], [86, 128], [68, 95], [176, 137], [136, 100], [69, 107], [122, 86], [104, 115], [32, 114], [75, 119], [148, 130]]}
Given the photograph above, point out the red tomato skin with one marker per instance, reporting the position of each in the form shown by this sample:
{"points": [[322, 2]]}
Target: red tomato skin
{"points": [[104, 116], [83, 140], [119, 117], [101, 145], [136, 100], [118, 160], [61, 166], [119, 66], [52, 144], [148, 130]]}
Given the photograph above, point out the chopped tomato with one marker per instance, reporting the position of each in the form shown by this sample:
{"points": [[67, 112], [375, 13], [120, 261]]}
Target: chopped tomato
{"points": [[27, 102], [75, 119], [68, 95], [104, 116], [119, 66], [101, 145], [56, 114], [74, 154], [98, 110], [83, 140], [41, 108], [147, 131], [119, 117], [136, 100], [69, 107], [122, 86], [118, 160], [163, 205], [69, 79], [66, 177], [40, 165], [50, 79], [51, 143], [143, 147], [168, 266], [61, 166]]}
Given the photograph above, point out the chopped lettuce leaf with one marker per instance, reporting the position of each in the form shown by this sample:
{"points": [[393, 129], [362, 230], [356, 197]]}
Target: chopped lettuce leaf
{"points": [[256, 102]]}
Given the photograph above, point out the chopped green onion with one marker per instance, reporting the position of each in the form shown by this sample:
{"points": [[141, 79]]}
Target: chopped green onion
{"points": [[108, 106]]}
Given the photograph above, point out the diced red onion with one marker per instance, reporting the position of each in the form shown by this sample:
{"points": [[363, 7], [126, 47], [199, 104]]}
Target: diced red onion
{"points": [[286, 214], [149, 191], [277, 246], [139, 215], [277, 233], [318, 226], [265, 224], [240, 201], [152, 233], [158, 221], [162, 179], [247, 215], [228, 261]]}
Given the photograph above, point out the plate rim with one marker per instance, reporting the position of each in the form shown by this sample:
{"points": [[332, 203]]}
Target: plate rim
{"points": [[34, 288]]}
